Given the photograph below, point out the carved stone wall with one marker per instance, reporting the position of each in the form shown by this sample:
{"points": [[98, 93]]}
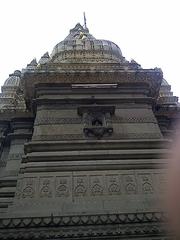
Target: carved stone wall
{"points": [[61, 124], [93, 192]]}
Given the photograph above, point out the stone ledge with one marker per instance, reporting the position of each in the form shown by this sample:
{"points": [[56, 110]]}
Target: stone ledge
{"points": [[122, 218], [113, 226]]}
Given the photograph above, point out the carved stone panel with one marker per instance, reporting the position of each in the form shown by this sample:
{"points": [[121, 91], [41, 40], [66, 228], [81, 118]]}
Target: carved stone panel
{"points": [[29, 187], [113, 184], [62, 186], [97, 120], [130, 184], [96, 185], [145, 183], [46, 187], [80, 186]]}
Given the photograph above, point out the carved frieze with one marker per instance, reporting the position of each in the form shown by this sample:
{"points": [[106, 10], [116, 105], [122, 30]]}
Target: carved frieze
{"points": [[59, 120], [120, 226], [134, 119], [56, 120], [60, 137], [101, 184]]}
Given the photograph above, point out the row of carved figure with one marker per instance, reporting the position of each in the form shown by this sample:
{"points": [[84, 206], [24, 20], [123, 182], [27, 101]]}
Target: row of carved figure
{"points": [[92, 185]]}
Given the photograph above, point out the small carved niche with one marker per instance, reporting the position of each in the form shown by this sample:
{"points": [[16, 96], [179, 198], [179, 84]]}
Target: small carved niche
{"points": [[97, 120]]}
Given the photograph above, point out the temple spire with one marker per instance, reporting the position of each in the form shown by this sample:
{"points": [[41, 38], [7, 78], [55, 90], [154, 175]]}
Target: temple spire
{"points": [[85, 26]]}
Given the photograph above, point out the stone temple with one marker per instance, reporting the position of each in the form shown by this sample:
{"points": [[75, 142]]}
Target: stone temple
{"points": [[84, 134]]}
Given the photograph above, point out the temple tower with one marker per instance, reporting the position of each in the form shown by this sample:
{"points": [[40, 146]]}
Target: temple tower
{"points": [[83, 139]]}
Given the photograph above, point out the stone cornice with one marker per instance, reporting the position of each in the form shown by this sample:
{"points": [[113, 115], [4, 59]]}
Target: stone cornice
{"points": [[41, 146], [142, 77]]}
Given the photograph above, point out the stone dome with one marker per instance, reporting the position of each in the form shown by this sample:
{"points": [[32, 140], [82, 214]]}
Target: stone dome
{"points": [[13, 79], [81, 46]]}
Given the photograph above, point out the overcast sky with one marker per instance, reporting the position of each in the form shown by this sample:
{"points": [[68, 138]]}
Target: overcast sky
{"points": [[145, 30]]}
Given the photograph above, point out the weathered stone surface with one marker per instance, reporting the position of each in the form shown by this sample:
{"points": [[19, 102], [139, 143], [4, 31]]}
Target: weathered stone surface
{"points": [[82, 145]]}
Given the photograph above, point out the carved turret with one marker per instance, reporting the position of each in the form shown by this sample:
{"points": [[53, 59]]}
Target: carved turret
{"points": [[12, 96], [44, 59], [32, 65]]}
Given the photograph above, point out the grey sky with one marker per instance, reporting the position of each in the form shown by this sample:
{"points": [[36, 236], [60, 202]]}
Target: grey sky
{"points": [[145, 30]]}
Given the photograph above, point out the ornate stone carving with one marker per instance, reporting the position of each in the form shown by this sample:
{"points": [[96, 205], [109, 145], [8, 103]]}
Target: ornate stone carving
{"points": [[96, 185], [56, 120], [58, 137], [80, 186], [113, 184], [28, 190], [97, 120], [117, 225], [130, 184], [45, 187], [123, 119], [146, 183], [62, 186]]}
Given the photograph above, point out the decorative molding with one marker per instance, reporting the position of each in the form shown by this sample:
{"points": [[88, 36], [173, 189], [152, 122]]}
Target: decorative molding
{"points": [[149, 79], [146, 232], [59, 120], [114, 136], [115, 183], [133, 119], [56, 120], [57, 137], [112, 226], [123, 218]]}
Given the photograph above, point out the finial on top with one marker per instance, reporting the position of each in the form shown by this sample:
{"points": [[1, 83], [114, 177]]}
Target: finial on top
{"points": [[85, 26]]}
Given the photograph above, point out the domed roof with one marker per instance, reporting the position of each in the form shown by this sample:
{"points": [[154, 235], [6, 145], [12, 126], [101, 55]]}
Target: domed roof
{"points": [[81, 46], [13, 79], [164, 83]]}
